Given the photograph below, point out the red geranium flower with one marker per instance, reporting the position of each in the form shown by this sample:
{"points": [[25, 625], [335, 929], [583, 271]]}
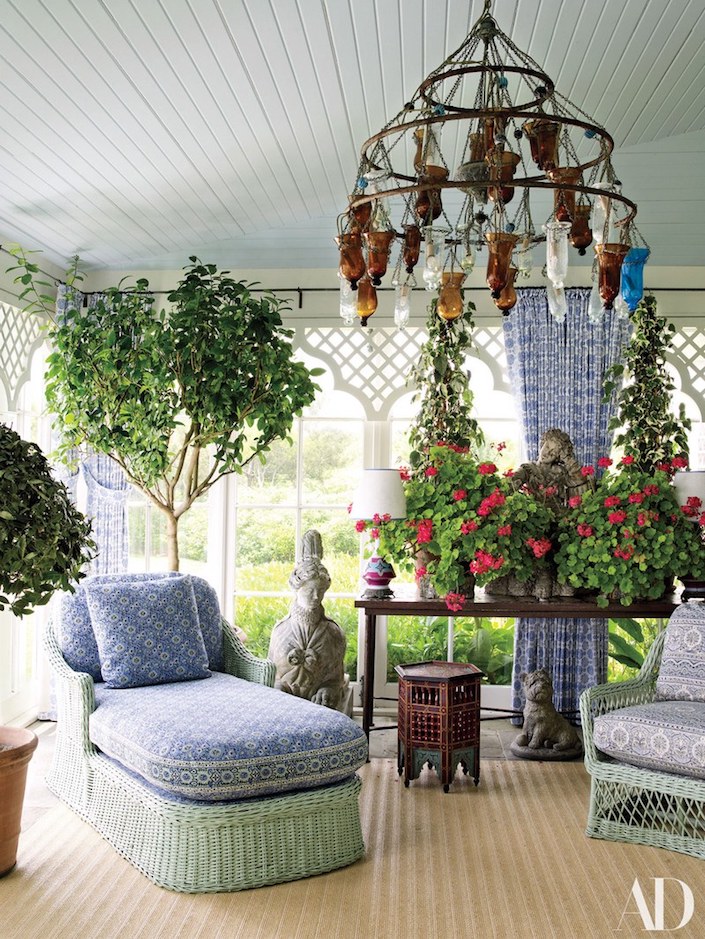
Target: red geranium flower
{"points": [[360, 524], [575, 501], [431, 471], [504, 530], [470, 525], [486, 469], [627, 460], [636, 497], [616, 518], [680, 462], [540, 546], [459, 494], [604, 462], [651, 490], [611, 501], [587, 470], [584, 530], [454, 601]]}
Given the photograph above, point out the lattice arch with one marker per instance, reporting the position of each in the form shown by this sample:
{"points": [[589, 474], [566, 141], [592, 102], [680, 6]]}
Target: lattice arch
{"points": [[373, 365], [689, 360], [20, 337]]}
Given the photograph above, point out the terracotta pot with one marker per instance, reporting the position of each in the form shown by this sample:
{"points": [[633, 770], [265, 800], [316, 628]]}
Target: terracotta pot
{"points": [[16, 748]]}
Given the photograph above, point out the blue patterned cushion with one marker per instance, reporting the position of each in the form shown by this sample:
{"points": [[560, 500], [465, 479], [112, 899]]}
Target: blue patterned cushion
{"points": [[682, 672], [75, 630], [147, 631], [665, 735], [225, 738]]}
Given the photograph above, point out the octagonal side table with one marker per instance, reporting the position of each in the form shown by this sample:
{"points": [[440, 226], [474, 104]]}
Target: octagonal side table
{"points": [[439, 719]]}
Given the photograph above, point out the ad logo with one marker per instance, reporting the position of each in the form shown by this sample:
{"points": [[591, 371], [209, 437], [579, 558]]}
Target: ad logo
{"points": [[653, 919]]}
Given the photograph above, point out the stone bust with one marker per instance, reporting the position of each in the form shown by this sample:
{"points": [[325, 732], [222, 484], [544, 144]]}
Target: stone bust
{"points": [[306, 647]]}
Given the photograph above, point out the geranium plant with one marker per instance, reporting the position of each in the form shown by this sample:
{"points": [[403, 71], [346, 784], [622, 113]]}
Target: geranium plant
{"points": [[627, 537], [465, 524]]}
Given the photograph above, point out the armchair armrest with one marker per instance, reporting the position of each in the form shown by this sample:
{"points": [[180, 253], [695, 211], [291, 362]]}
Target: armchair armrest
{"points": [[241, 663], [619, 694], [75, 693]]}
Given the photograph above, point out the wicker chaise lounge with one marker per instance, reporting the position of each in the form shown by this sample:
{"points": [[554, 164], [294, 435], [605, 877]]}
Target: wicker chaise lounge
{"points": [[204, 785], [645, 744]]}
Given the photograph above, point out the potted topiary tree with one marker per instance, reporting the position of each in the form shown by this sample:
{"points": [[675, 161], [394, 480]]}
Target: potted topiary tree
{"points": [[44, 544], [178, 397]]}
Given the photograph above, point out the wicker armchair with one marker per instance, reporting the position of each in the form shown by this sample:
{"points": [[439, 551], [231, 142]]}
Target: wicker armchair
{"points": [[641, 803], [183, 843]]}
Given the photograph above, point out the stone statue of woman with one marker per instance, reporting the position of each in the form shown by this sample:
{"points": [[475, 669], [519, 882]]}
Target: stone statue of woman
{"points": [[308, 648]]}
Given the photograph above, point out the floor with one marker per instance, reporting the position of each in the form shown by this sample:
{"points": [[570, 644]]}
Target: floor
{"points": [[496, 736]]}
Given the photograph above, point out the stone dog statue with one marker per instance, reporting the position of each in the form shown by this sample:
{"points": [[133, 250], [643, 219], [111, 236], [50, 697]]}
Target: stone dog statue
{"points": [[555, 467], [544, 728], [308, 648]]}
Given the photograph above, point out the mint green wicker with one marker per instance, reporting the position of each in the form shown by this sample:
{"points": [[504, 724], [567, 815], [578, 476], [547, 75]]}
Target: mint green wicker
{"points": [[628, 803], [198, 847]]}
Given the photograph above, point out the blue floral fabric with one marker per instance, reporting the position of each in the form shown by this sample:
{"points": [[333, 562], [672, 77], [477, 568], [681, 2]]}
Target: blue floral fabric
{"points": [[665, 735], [75, 629], [147, 631], [225, 738], [556, 371], [682, 672]]}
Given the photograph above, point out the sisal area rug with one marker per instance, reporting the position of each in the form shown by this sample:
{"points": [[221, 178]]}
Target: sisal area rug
{"points": [[508, 859]]}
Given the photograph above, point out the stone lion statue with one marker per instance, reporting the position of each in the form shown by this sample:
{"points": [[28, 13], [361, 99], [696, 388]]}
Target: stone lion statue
{"points": [[306, 647], [544, 728]]}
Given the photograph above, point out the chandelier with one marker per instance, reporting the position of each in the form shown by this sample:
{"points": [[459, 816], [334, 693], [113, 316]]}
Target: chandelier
{"points": [[509, 139]]}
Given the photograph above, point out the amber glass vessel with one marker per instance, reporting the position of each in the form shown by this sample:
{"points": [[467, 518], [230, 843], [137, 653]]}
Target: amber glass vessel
{"points": [[378, 245], [352, 260], [508, 297], [564, 199], [502, 167], [429, 204], [412, 247], [501, 245], [543, 142], [580, 231], [609, 258], [360, 214], [450, 300], [366, 300]]}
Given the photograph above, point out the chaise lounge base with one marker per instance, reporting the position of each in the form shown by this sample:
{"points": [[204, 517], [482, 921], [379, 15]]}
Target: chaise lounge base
{"points": [[208, 842], [206, 847]]}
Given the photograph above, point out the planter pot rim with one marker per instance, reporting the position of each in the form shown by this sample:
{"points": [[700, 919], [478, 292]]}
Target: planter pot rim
{"points": [[21, 743]]}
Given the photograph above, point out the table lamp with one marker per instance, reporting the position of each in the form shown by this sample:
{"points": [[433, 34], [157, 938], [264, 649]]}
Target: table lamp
{"points": [[381, 493]]}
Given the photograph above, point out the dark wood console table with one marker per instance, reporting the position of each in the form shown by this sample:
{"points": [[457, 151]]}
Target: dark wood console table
{"points": [[489, 606]]}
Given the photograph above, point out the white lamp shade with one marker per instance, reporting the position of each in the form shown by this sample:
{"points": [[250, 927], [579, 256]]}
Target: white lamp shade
{"points": [[380, 492]]}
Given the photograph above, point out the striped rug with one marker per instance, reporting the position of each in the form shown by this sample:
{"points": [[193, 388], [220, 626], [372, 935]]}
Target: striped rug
{"points": [[508, 859]]}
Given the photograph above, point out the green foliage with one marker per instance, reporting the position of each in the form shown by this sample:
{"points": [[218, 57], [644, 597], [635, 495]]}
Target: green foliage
{"points": [[443, 387], [488, 645], [648, 430], [628, 536], [177, 398], [629, 641], [44, 540]]}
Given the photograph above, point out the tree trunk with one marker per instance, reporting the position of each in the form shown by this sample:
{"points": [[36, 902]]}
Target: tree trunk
{"points": [[172, 541]]}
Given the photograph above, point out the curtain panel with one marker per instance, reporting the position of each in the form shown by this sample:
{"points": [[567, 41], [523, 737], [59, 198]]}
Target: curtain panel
{"points": [[556, 372]]}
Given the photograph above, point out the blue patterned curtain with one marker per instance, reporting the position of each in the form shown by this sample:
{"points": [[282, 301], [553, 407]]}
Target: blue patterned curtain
{"points": [[556, 371], [107, 486]]}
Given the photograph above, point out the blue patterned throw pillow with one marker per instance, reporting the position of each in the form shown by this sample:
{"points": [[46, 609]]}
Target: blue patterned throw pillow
{"points": [[147, 632]]}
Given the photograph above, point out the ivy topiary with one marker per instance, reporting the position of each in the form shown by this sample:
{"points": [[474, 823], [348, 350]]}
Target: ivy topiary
{"points": [[443, 387], [646, 427], [44, 540]]}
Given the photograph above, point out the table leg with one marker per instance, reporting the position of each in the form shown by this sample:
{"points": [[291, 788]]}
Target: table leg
{"points": [[368, 685]]}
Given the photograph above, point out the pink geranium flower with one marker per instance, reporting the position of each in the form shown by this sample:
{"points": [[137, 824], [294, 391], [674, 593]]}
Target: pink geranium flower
{"points": [[584, 531], [360, 524], [575, 501]]}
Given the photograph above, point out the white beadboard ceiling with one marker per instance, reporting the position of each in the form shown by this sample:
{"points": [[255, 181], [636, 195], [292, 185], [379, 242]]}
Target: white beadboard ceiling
{"points": [[138, 132]]}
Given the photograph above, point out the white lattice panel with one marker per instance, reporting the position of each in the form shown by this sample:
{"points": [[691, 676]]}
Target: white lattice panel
{"points": [[689, 359], [374, 364], [20, 336]]}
